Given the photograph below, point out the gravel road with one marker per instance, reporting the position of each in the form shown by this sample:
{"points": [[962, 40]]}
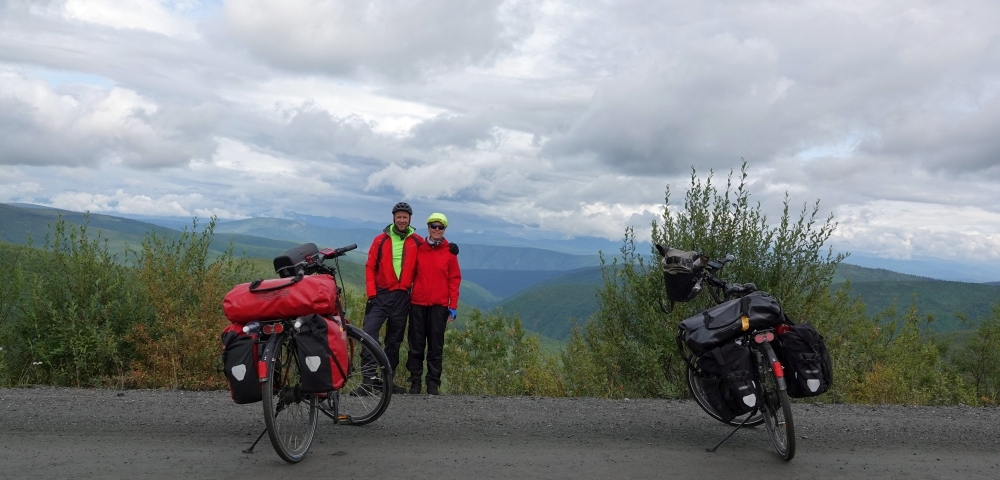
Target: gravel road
{"points": [[70, 433]]}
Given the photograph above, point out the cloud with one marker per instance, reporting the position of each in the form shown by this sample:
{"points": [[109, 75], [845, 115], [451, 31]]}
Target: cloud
{"points": [[83, 125], [150, 15], [386, 37]]}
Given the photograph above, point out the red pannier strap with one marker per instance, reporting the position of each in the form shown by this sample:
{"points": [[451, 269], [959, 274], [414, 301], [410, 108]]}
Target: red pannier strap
{"points": [[281, 298]]}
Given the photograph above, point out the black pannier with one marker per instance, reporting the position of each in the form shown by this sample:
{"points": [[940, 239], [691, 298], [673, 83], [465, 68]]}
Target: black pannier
{"points": [[728, 320], [322, 353], [239, 355], [680, 272], [807, 363], [284, 262], [728, 381]]}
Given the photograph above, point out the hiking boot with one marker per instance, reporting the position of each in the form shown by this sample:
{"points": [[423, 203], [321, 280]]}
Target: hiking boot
{"points": [[432, 389], [415, 388], [398, 389]]}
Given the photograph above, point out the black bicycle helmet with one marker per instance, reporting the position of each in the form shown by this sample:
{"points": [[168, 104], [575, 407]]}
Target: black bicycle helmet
{"points": [[402, 207]]}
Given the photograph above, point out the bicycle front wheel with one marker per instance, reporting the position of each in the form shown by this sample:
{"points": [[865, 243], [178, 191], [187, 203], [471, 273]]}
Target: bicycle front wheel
{"points": [[697, 387], [289, 414], [776, 407], [366, 394]]}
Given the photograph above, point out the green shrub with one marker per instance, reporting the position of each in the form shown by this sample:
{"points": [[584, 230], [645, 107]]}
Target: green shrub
{"points": [[629, 335], [492, 355], [980, 360], [79, 303]]}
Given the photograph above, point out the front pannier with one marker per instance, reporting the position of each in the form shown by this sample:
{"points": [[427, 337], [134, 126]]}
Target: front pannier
{"points": [[807, 363], [728, 320], [680, 272], [239, 355], [322, 352], [281, 298], [728, 381]]}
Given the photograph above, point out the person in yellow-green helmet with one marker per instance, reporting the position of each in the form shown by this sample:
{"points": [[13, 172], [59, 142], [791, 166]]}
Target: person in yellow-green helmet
{"points": [[434, 303], [389, 274]]}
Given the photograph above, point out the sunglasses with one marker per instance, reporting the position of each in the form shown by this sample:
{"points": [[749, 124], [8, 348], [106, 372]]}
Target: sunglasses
{"points": [[436, 226]]}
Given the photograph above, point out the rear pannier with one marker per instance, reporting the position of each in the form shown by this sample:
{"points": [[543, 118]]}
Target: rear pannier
{"points": [[729, 385], [239, 355], [807, 363], [680, 269], [281, 298], [322, 351], [728, 320]]}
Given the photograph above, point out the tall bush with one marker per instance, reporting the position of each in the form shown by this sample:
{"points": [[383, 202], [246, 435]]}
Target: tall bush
{"points": [[980, 360], [184, 285], [634, 340], [79, 303]]}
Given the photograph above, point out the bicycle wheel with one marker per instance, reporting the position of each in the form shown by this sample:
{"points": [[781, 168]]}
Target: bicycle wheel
{"points": [[697, 387], [366, 394], [289, 414], [776, 407]]}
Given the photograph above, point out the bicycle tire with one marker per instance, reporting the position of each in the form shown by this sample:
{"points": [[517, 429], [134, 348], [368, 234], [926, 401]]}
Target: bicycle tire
{"points": [[289, 414], [775, 405], [697, 388], [366, 394]]}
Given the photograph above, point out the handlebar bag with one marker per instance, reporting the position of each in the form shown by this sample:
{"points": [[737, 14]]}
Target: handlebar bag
{"points": [[239, 355], [680, 273], [322, 352], [807, 363], [729, 385], [283, 263], [728, 320], [281, 298]]}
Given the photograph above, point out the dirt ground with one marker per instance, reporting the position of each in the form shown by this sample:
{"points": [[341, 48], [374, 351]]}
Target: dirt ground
{"points": [[70, 433]]}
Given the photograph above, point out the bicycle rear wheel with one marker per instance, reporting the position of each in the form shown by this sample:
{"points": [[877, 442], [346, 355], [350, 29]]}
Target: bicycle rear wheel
{"points": [[289, 414], [776, 407], [366, 394], [697, 387]]}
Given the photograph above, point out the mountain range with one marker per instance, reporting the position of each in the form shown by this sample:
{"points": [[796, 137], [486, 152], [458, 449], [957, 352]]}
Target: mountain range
{"points": [[550, 290]]}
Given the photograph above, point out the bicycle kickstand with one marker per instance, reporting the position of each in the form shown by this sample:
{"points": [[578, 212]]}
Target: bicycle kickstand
{"points": [[712, 450], [250, 450]]}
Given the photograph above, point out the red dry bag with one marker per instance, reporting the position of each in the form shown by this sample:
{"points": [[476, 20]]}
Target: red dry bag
{"points": [[281, 298]]}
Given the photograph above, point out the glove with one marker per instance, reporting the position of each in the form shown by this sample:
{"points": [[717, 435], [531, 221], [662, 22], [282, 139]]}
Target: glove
{"points": [[453, 248], [454, 313]]}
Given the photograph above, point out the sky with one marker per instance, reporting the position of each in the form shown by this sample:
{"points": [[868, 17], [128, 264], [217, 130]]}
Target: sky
{"points": [[548, 118]]}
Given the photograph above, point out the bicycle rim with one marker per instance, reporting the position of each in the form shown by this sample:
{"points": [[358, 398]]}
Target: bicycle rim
{"points": [[289, 415], [777, 412], [697, 389], [366, 394]]}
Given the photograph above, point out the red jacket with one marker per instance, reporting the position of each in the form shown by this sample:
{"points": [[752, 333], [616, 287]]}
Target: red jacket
{"points": [[438, 276], [384, 277]]}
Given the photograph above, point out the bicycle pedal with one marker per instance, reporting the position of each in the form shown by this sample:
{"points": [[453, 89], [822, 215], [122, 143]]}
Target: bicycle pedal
{"points": [[344, 419]]}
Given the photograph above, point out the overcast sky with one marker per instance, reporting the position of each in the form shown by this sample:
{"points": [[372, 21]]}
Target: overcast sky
{"points": [[558, 117]]}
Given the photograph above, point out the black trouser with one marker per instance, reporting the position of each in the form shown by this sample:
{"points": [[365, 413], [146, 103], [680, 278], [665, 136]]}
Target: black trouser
{"points": [[427, 325], [393, 305]]}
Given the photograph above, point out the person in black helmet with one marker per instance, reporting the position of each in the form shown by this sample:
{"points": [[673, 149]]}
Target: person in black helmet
{"points": [[389, 273]]}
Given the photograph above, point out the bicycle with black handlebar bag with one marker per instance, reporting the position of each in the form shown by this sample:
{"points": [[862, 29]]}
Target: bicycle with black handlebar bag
{"points": [[306, 352], [733, 372]]}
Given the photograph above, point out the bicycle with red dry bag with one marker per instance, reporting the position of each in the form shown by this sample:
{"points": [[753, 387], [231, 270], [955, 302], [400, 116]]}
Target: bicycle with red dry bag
{"points": [[733, 370], [291, 347]]}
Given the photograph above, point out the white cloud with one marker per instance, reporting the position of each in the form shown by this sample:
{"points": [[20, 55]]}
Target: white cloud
{"points": [[150, 15]]}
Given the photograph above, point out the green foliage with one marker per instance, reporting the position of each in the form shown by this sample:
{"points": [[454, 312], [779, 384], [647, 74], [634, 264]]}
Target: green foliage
{"points": [[184, 285], [634, 340], [980, 360], [492, 355], [75, 312]]}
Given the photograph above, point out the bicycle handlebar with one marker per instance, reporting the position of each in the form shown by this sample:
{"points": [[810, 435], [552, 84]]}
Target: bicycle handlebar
{"points": [[316, 261]]}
